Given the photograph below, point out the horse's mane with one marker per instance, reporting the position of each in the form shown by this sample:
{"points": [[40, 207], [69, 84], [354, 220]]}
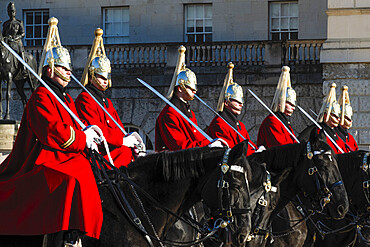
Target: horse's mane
{"points": [[176, 165], [280, 157], [350, 161]]}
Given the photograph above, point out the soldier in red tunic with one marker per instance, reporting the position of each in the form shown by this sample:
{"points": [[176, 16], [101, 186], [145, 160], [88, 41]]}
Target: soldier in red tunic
{"points": [[272, 132], [46, 183], [346, 122], [172, 131], [329, 119], [97, 76], [230, 105]]}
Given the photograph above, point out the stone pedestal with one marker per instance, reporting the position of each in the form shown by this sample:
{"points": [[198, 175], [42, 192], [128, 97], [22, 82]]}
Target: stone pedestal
{"points": [[8, 132]]}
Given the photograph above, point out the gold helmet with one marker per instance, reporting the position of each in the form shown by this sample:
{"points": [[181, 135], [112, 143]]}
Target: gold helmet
{"points": [[346, 108], [230, 89], [330, 105], [98, 62], [182, 76], [54, 54], [284, 92]]}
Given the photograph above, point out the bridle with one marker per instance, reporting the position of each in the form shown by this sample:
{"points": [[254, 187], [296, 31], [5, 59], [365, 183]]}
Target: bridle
{"points": [[225, 213], [323, 191], [260, 208]]}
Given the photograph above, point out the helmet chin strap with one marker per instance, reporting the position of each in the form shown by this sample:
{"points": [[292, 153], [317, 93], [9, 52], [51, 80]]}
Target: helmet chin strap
{"points": [[186, 91], [59, 74], [98, 83]]}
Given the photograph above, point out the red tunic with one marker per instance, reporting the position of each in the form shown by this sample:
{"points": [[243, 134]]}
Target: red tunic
{"points": [[220, 129], [332, 133], [350, 142], [46, 183], [92, 113], [272, 132], [173, 132]]}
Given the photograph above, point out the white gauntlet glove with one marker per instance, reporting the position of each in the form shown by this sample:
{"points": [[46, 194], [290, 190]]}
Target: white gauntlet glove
{"points": [[133, 140], [91, 139], [218, 143], [260, 149]]}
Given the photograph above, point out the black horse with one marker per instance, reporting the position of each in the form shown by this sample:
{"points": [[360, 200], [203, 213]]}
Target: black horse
{"points": [[314, 172], [176, 180], [13, 70], [353, 230]]}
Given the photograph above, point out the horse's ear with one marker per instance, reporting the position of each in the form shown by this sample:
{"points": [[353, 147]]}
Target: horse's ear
{"points": [[239, 149]]}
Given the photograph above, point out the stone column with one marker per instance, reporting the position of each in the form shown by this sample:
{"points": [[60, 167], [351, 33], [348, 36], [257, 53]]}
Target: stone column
{"points": [[346, 60]]}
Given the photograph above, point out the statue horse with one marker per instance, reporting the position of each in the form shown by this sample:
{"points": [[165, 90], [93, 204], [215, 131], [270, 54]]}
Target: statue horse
{"points": [[13, 70], [314, 172], [172, 181], [354, 229]]}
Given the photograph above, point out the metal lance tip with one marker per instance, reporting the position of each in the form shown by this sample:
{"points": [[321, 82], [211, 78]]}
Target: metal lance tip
{"points": [[53, 21], [98, 32]]}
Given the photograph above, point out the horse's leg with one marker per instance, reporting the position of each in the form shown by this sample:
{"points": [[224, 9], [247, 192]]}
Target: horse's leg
{"points": [[8, 95], [19, 85]]}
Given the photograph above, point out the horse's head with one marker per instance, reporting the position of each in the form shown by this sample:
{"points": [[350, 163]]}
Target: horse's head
{"points": [[355, 171], [264, 189], [227, 196], [320, 179]]}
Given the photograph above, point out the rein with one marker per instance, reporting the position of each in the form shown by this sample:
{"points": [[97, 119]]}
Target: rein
{"points": [[99, 161], [323, 192]]}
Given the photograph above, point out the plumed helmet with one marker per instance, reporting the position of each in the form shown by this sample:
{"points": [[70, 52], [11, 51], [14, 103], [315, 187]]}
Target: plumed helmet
{"points": [[346, 108], [234, 91], [187, 78], [58, 56], [101, 66], [284, 91], [330, 105], [97, 62]]}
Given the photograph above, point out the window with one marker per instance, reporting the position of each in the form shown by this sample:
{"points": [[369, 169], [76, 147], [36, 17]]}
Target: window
{"points": [[116, 25], [36, 27], [283, 20], [198, 23], [148, 143]]}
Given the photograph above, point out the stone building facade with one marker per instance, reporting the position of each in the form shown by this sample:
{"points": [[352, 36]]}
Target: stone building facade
{"points": [[241, 33]]}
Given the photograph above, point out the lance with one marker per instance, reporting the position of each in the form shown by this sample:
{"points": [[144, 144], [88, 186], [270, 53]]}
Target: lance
{"points": [[176, 109], [264, 105], [319, 126], [102, 107], [204, 103], [82, 125]]}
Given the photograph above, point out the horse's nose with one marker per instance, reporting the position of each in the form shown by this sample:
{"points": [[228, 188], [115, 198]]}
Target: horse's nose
{"points": [[341, 210]]}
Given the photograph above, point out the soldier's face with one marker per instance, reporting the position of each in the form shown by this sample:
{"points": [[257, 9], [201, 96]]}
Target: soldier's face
{"points": [[234, 106], [347, 123], [100, 83], [333, 120], [64, 72], [289, 109], [186, 93]]}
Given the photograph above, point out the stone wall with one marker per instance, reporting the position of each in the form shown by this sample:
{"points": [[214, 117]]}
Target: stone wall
{"points": [[138, 106], [356, 77]]}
